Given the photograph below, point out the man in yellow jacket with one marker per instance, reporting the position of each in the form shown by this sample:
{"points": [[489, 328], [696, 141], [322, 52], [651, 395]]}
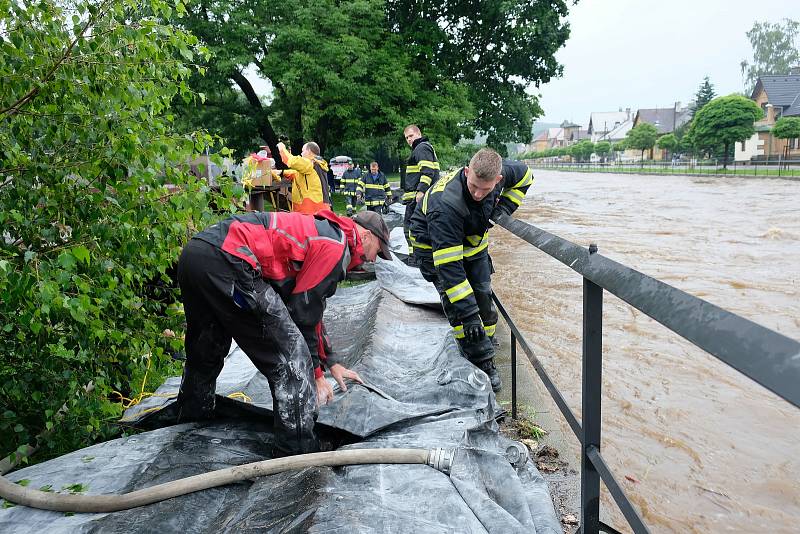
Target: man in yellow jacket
{"points": [[307, 189]]}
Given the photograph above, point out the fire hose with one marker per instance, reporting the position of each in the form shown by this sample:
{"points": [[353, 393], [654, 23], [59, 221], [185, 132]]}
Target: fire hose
{"points": [[440, 459]]}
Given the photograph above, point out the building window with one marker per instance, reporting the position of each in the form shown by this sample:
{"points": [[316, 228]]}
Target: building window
{"points": [[743, 149], [794, 143]]}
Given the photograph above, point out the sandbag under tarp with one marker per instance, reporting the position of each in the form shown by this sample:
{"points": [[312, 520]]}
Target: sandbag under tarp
{"points": [[421, 393], [407, 284], [397, 242], [398, 208], [394, 215]]}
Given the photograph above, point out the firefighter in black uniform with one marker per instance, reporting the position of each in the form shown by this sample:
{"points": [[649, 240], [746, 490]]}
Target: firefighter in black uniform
{"points": [[450, 234], [422, 170], [352, 187], [377, 192]]}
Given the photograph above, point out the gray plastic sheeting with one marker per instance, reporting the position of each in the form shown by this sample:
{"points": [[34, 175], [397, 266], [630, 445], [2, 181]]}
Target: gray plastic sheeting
{"points": [[397, 241], [406, 283], [420, 393]]}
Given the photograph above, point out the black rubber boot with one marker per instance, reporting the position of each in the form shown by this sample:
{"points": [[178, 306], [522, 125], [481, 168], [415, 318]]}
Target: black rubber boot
{"points": [[494, 377]]}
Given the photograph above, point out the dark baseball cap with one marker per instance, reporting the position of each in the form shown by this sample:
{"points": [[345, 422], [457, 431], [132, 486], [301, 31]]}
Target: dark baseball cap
{"points": [[375, 224]]}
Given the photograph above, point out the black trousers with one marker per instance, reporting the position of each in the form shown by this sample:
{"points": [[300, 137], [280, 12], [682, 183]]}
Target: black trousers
{"points": [[351, 199], [224, 298], [411, 205], [479, 275]]}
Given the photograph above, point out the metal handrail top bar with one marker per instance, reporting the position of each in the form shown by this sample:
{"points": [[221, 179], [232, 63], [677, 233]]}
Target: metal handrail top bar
{"points": [[767, 357]]}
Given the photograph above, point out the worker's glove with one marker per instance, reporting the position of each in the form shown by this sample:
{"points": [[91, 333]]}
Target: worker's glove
{"points": [[473, 328], [496, 213]]}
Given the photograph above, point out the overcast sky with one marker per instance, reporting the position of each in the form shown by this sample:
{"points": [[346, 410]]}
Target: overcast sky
{"points": [[652, 53]]}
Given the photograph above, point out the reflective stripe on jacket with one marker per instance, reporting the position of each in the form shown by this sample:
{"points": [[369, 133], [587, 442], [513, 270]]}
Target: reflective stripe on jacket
{"points": [[422, 168], [376, 189], [453, 228], [350, 181]]}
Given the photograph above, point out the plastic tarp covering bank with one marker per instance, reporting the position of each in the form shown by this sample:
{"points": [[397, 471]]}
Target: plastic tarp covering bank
{"points": [[420, 393]]}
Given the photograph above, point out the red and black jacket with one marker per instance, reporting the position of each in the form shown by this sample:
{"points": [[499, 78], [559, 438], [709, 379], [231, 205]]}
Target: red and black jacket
{"points": [[303, 258]]}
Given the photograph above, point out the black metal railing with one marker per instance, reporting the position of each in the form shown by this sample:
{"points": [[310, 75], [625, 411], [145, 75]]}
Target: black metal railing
{"points": [[767, 357], [774, 168]]}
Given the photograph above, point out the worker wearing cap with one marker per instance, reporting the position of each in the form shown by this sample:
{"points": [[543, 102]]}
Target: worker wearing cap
{"points": [[450, 233], [262, 279]]}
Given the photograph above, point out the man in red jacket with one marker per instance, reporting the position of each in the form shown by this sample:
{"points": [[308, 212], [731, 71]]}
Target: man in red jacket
{"points": [[262, 279]]}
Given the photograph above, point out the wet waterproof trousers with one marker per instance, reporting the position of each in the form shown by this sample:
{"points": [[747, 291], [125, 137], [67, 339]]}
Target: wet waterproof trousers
{"points": [[352, 201], [479, 273], [225, 298], [411, 205]]}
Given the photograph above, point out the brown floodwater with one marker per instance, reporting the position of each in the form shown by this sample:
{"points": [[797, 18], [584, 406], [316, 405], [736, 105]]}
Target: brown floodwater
{"points": [[697, 446]]}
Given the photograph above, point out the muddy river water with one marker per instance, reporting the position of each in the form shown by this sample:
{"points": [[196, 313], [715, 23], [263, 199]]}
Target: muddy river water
{"points": [[697, 446]]}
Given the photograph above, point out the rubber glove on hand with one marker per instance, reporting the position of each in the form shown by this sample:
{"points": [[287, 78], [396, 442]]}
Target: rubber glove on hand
{"points": [[473, 328]]}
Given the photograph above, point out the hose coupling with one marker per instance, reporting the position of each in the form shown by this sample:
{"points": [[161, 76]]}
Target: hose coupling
{"points": [[441, 459], [517, 454]]}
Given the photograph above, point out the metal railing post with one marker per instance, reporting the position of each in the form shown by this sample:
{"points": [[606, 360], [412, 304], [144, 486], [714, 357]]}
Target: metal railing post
{"points": [[590, 401], [513, 376]]}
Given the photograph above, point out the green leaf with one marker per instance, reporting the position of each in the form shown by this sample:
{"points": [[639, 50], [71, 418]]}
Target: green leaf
{"points": [[81, 253], [23, 482], [67, 260], [75, 488]]}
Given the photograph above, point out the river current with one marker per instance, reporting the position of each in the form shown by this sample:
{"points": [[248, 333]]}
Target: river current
{"points": [[697, 446]]}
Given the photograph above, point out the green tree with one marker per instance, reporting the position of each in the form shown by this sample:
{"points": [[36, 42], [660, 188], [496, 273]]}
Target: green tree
{"points": [[363, 69], [668, 142], [336, 71], [787, 128], [498, 49], [775, 50], [581, 150], [705, 94], [602, 148], [685, 144], [722, 122], [94, 208], [641, 137]]}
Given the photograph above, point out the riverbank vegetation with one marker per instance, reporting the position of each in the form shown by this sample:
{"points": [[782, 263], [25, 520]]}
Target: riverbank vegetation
{"points": [[105, 104]]}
